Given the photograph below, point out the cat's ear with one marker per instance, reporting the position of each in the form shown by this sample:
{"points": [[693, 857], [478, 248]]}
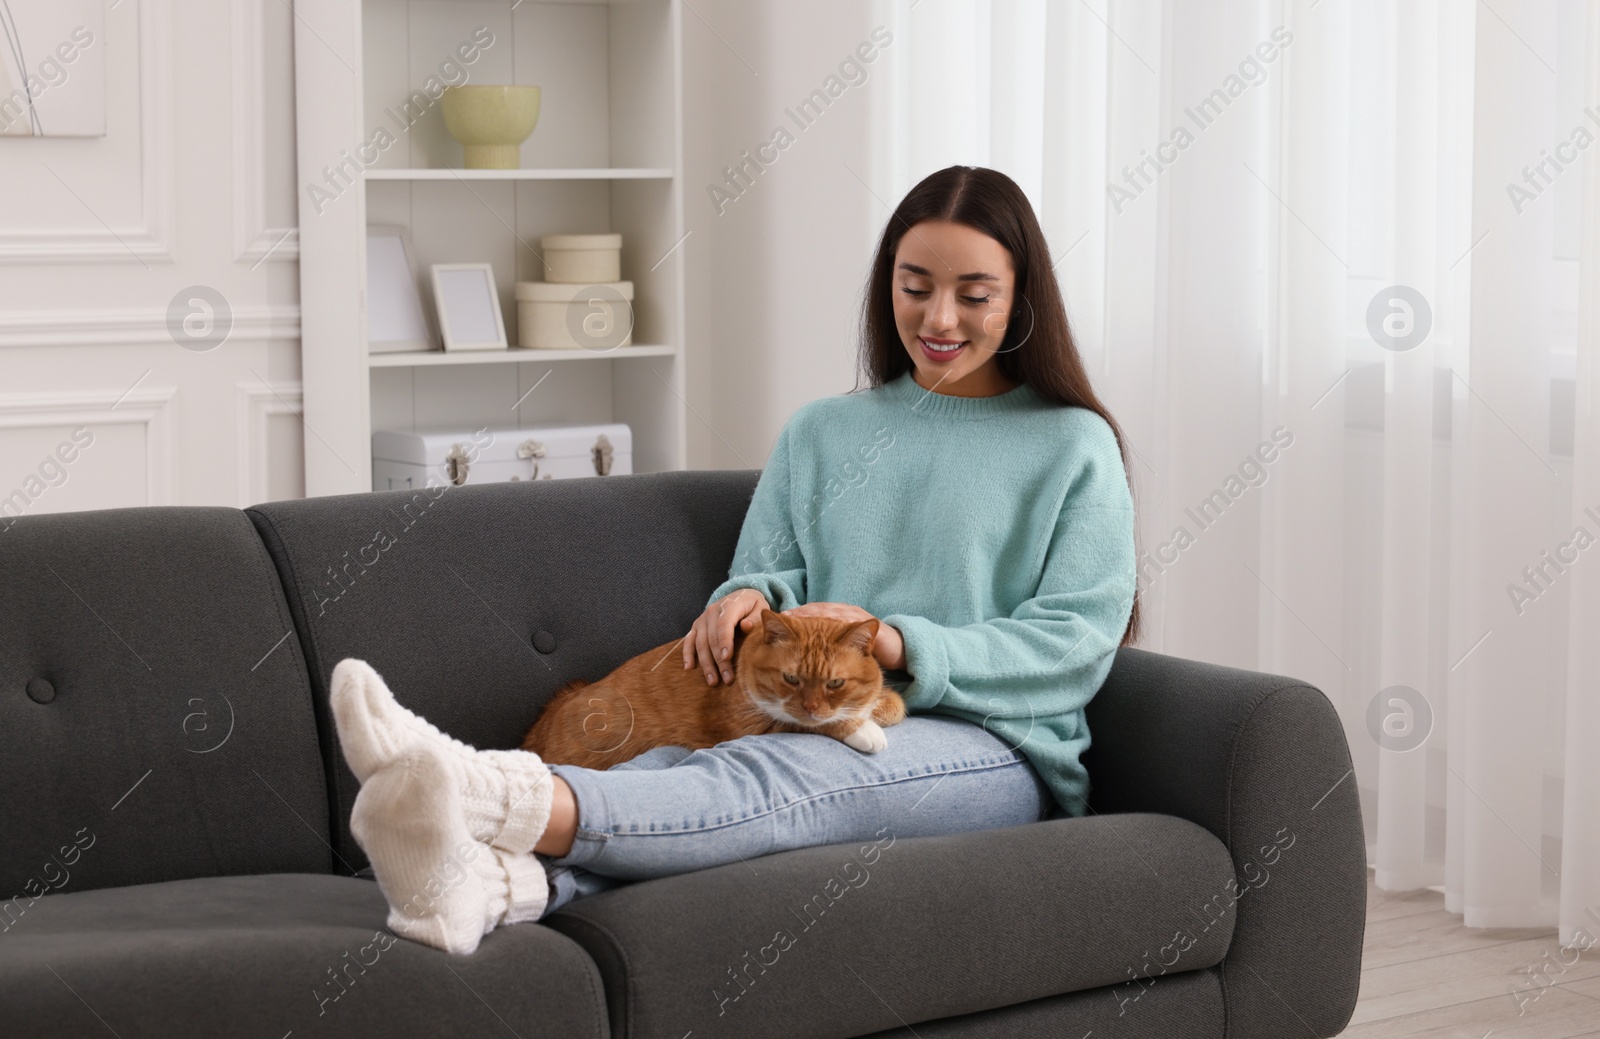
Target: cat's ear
{"points": [[860, 636], [777, 629]]}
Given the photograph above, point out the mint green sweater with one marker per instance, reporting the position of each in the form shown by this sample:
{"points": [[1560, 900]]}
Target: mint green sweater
{"points": [[996, 533]]}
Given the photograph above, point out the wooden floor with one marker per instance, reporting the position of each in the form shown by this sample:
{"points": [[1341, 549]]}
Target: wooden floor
{"points": [[1424, 974]]}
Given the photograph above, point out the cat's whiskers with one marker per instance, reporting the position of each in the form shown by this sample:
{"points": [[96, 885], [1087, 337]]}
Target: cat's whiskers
{"points": [[779, 713]]}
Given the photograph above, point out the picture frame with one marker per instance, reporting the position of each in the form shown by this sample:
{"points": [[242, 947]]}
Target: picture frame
{"points": [[396, 319], [53, 68], [467, 302]]}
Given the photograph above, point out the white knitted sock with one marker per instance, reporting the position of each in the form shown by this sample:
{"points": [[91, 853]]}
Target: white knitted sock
{"points": [[408, 820], [373, 728], [505, 793], [520, 889], [444, 889]]}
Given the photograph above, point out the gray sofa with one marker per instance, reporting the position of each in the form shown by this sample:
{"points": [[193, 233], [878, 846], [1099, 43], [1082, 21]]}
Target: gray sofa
{"points": [[178, 859]]}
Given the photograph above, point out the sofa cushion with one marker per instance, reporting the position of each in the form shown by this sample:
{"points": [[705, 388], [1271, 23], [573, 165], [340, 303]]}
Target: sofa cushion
{"points": [[155, 704], [847, 939], [273, 955], [1187, 1005], [476, 603]]}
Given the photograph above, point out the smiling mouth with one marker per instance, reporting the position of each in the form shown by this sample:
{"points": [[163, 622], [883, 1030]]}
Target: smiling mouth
{"points": [[941, 349]]}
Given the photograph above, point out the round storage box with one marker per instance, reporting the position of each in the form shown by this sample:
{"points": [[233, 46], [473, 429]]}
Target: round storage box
{"points": [[553, 316], [582, 259]]}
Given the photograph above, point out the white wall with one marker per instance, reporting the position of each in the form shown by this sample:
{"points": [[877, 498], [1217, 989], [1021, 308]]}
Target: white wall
{"points": [[775, 280], [191, 185]]}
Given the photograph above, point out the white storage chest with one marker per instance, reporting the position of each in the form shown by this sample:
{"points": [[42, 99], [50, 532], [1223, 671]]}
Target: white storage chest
{"points": [[402, 459]]}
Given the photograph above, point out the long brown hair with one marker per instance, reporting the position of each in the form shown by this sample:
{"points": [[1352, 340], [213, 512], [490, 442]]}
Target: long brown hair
{"points": [[1038, 348]]}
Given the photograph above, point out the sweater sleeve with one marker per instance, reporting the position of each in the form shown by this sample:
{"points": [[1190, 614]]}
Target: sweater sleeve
{"points": [[1052, 653], [768, 557]]}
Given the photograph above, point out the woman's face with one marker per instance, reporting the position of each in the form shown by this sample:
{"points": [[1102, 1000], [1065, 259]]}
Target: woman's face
{"points": [[952, 299]]}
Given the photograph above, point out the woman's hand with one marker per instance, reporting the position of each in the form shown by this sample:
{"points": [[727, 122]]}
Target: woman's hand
{"points": [[888, 648], [710, 639]]}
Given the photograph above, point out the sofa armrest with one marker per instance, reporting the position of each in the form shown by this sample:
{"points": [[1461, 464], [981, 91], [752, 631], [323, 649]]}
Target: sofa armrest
{"points": [[1262, 762]]}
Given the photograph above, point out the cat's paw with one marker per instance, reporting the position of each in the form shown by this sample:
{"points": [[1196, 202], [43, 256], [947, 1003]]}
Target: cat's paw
{"points": [[869, 739]]}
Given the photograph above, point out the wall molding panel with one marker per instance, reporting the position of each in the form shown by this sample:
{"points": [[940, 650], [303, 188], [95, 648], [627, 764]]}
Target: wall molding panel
{"points": [[191, 184], [151, 240], [149, 407], [253, 241], [257, 404], [114, 327]]}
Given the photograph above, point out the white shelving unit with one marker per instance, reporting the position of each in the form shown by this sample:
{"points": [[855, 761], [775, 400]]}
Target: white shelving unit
{"points": [[515, 355], [607, 156]]}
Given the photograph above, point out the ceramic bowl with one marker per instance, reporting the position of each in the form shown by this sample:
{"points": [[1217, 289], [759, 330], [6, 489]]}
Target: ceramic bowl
{"points": [[491, 122]]}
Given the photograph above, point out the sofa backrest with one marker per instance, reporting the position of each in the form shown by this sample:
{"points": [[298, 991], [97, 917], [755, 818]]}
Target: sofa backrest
{"points": [[156, 708], [476, 603]]}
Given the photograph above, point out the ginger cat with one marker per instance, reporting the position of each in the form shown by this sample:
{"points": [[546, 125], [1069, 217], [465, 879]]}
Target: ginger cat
{"points": [[791, 674]]}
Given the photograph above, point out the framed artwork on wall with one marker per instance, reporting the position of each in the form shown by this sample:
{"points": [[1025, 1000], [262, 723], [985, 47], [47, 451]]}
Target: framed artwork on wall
{"points": [[52, 68]]}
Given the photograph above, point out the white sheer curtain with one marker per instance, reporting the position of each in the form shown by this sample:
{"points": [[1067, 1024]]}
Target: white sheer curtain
{"points": [[1368, 229]]}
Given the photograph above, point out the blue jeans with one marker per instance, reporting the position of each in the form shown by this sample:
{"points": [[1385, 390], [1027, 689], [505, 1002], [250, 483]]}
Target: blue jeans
{"points": [[671, 810]]}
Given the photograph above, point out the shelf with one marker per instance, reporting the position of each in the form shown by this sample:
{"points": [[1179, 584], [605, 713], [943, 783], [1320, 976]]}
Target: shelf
{"points": [[512, 355], [606, 157], [592, 173]]}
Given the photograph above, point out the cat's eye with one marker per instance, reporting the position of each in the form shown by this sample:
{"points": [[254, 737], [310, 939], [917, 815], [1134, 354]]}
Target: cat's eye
{"points": [[791, 679], [836, 683]]}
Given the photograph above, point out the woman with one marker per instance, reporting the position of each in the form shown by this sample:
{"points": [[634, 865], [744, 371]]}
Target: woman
{"points": [[974, 499]]}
